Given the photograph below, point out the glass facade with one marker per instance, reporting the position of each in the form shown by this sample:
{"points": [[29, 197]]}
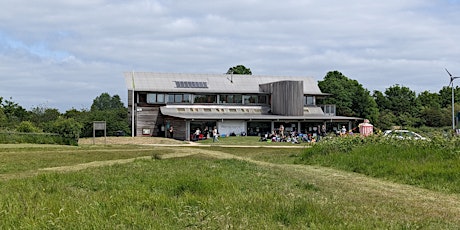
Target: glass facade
{"points": [[177, 98], [230, 99], [254, 99], [205, 99]]}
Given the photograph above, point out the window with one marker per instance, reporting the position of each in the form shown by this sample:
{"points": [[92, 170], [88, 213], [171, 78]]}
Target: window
{"points": [[179, 98], [205, 99], [230, 99], [142, 98], [262, 99], [155, 98], [254, 99], [160, 98], [328, 109], [151, 98], [250, 99], [309, 100]]}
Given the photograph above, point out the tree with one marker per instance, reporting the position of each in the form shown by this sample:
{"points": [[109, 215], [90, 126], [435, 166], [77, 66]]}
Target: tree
{"points": [[445, 95], [239, 69], [402, 100], [429, 100], [402, 103], [2, 114], [13, 112], [104, 108], [434, 117], [106, 102], [350, 98], [42, 116], [386, 120], [84, 118]]}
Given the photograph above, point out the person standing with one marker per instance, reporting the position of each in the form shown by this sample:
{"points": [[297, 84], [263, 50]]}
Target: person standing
{"points": [[215, 135], [171, 132], [343, 131]]}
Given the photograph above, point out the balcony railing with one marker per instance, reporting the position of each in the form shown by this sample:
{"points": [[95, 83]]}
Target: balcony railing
{"points": [[328, 109]]}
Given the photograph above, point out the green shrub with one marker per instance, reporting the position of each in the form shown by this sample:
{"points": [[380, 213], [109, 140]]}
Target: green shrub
{"points": [[68, 128], [27, 127], [33, 138]]}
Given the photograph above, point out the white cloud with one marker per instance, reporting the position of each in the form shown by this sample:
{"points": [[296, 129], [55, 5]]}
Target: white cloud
{"points": [[67, 53]]}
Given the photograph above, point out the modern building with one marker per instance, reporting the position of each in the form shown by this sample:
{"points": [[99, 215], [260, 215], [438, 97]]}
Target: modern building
{"points": [[235, 104]]}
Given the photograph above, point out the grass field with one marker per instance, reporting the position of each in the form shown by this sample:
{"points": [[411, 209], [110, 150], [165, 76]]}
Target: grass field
{"points": [[189, 187]]}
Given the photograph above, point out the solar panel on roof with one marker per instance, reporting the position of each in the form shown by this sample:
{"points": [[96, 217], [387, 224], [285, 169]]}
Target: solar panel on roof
{"points": [[191, 84]]}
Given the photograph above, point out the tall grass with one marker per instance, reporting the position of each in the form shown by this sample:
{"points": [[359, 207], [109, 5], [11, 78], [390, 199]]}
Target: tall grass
{"points": [[191, 193], [35, 138], [185, 193], [433, 164], [156, 195]]}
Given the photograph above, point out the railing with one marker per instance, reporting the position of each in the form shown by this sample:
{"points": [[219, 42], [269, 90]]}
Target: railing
{"points": [[328, 109]]}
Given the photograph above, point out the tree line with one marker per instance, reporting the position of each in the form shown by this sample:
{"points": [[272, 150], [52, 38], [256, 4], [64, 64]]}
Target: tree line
{"points": [[73, 123], [396, 106]]}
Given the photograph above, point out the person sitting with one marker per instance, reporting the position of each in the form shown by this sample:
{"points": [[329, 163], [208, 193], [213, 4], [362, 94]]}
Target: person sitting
{"points": [[263, 138]]}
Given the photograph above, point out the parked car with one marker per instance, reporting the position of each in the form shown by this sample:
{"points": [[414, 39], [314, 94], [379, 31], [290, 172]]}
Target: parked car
{"points": [[403, 134]]}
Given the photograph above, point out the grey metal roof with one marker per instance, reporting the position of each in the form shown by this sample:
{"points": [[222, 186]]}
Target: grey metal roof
{"points": [[216, 83]]}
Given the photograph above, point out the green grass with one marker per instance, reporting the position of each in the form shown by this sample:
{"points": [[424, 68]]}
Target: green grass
{"points": [[244, 140], [198, 192], [429, 164], [272, 155], [32, 157]]}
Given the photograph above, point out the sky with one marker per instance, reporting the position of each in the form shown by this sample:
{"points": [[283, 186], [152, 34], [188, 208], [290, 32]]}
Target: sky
{"points": [[63, 54]]}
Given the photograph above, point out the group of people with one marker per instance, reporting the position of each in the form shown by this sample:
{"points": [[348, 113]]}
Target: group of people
{"points": [[198, 135], [279, 135]]}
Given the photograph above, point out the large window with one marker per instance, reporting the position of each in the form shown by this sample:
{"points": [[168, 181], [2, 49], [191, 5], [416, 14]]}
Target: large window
{"points": [[230, 99], [212, 99], [309, 100], [179, 98], [254, 99], [155, 98]]}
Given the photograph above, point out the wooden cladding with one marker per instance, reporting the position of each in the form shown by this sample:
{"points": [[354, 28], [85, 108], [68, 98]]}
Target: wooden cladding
{"points": [[286, 97]]}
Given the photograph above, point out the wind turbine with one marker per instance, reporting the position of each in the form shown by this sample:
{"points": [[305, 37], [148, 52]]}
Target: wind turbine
{"points": [[452, 78]]}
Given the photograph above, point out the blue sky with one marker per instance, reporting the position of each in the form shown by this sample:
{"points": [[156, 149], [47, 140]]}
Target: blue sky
{"points": [[63, 54]]}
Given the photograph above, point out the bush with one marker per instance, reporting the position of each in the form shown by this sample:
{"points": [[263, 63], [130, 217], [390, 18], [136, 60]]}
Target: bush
{"points": [[68, 128], [33, 138], [27, 127]]}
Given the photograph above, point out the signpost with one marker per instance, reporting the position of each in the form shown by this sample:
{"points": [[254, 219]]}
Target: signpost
{"points": [[99, 125]]}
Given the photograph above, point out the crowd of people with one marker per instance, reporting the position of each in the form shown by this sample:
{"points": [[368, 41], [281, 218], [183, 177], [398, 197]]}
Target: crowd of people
{"points": [[280, 135]]}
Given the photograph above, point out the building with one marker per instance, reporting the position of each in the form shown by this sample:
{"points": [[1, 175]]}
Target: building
{"points": [[235, 104]]}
